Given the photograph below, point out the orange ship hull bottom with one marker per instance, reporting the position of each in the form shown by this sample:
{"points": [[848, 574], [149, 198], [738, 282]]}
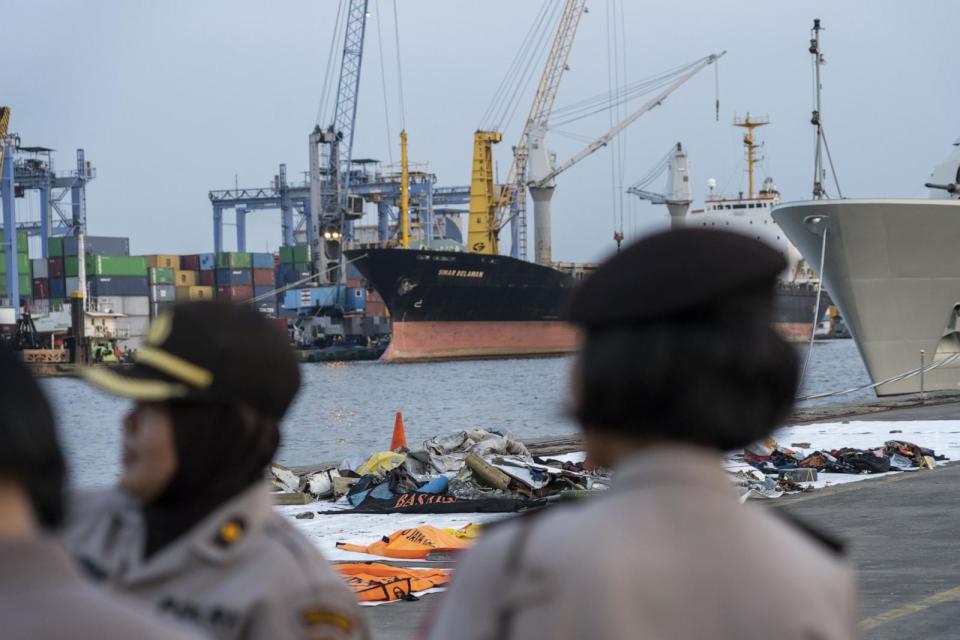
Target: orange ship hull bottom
{"points": [[417, 341], [794, 331]]}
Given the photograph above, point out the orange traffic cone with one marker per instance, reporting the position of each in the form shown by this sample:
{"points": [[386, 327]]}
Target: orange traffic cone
{"points": [[399, 440]]}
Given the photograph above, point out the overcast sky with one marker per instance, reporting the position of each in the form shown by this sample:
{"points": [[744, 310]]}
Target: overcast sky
{"points": [[171, 99]]}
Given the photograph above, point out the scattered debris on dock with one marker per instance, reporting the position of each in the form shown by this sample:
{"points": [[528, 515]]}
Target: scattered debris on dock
{"points": [[467, 471]]}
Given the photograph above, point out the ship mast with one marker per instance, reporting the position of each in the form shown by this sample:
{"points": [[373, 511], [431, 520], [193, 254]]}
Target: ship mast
{"points": [[748, 141], [819, 175]]}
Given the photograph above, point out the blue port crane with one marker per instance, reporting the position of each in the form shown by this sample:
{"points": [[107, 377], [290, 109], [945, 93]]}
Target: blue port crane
{"points": [[332, 207], [62, 198]]}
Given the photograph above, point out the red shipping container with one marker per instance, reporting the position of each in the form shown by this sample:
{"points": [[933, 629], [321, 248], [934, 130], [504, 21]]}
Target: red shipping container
{"points": [[208, 278], [237, 293], [41, 288], [190, 263], [54, 267], [281, 325], [264, 278]]}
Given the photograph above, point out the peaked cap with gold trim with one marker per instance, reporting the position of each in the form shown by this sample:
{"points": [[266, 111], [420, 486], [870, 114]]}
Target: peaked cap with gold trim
{"points": [[209, 352]]}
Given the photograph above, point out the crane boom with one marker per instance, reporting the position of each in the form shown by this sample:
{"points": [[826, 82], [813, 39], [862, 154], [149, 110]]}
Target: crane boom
{"points": [[623, 124], [678, 195], [513, 195], [345, 118]]}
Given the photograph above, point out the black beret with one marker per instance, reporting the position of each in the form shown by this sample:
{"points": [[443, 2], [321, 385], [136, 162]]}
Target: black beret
{"points": [[209, 351], [667, 274]]}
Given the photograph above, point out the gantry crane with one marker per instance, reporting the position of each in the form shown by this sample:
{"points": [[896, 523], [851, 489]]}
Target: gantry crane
{"points": [[678, 194], [542, 171], [492, 207]]}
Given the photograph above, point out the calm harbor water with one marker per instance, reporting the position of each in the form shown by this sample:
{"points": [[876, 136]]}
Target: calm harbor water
{"points": [[346, 410]]}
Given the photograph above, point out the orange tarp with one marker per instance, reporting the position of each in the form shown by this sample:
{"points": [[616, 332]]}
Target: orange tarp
{"points": [[411, 544], [375, 581]]}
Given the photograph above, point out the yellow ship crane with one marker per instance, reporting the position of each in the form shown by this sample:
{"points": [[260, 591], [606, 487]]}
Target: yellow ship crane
{"points": [[751, 146], [484, 198], [404, 192], [492, 206]]}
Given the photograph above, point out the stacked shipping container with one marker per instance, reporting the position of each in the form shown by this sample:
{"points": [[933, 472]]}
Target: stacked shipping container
{"points": [[20, 249]]}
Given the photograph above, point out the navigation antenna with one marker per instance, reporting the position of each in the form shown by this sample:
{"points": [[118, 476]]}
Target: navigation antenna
{"points": [[819, 192]]}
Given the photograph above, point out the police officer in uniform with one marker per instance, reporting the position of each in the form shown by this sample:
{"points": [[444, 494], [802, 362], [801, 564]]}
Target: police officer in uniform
{"points": [[191, 529], [679, 363], [42, 594]]}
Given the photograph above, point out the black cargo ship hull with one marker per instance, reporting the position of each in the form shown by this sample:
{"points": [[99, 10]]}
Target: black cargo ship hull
{"points": [[446, 304]]}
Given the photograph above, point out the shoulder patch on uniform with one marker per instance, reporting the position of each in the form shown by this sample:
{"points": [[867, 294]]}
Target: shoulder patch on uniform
{"points": [[230, 532], [832, 543], [320, 617]]}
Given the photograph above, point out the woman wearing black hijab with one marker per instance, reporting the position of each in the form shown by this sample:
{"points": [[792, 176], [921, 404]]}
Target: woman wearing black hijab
{"points": [[191, 529]]}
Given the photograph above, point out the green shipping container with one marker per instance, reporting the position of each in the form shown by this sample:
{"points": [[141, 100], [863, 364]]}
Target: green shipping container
{"points": [[161, 275], [22, 242], [301, 253], [301, 267], [55, 247], [108, 266], [23, 264], [26, 286], [234, 260], [286, 254]]}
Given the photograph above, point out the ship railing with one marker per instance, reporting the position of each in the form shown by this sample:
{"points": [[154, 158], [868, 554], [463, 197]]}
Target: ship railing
{"points": [[897, 378]]}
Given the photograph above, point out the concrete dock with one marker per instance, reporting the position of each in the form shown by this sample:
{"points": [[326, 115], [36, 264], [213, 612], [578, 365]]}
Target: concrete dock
{"points": [[900, 533]]}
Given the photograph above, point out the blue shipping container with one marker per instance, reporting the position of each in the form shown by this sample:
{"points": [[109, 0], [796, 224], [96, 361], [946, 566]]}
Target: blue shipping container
{"points": [[234, 277], [262, 260], [58, 288], [356, 299], [118, 286], [97, 246], [208, 261], [269, 302], [309, 297], [288, 275]]}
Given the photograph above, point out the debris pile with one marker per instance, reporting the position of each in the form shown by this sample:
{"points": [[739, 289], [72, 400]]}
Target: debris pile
{"points": [[467, 471], [779, 470]]}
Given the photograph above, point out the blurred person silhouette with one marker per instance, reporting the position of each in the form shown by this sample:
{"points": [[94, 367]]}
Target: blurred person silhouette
{"points": [[42, 594], [678, 364], [191, 529]]}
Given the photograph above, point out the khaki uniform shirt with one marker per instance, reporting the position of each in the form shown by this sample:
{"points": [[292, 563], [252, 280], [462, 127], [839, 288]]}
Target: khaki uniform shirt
{"points": [[243, 572], [42, 596], [667, 554]]}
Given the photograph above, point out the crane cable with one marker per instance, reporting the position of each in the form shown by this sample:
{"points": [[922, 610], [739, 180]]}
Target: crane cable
{"points": [[623, 136], [383, 81], [502, 87], [396, 33], [613, 81], [325, 100], [521, 69], [540, 50], [607, 100], [654, 172]]}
